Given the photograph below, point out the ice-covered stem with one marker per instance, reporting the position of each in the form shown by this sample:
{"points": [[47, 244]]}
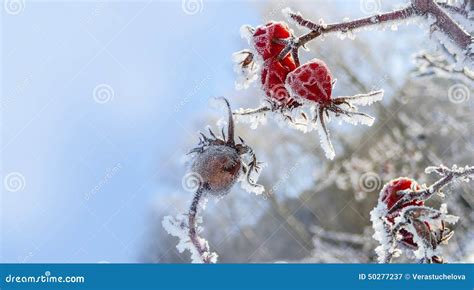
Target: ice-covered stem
{"points": [[459, 10], [443, 22], [423, 8], [448, 176], [320, 29], [193, 235], [429, 65]]}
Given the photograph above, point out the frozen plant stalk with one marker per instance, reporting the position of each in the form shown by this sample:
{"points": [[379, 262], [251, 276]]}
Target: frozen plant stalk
{"points": [[218, 162]]}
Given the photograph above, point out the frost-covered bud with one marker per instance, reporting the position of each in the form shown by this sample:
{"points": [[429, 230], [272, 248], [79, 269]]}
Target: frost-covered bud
{"points": [[218, 167]]}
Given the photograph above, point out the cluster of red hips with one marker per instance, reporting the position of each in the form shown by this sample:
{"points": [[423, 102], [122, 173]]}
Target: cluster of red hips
{"points": [[311, 81], [391, 195], [289, 85]]}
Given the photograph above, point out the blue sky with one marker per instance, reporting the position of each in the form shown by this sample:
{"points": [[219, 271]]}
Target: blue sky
{"points": [[99, 101], [90, 169]]}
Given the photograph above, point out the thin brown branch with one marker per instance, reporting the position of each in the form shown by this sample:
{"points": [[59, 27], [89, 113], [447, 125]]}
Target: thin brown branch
{"points": [[448, 176], [193, 235], [320, 29], [443, 22], [418, 8], [433, 65]]}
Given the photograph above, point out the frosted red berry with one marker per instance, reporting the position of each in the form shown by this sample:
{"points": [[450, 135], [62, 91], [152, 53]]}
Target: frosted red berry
{"points": [[273, 78], [311, 81], [264, 39], [391, 194]]}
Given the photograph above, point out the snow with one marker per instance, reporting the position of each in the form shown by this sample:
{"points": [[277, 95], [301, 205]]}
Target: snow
{"points": [[252, 187], [460, 55], [414, 219], [287, 12], [178, 227], [380, 232], [246, 32], [356, 118], [365, 99], [254, 120], [246, 74], [324, 138]]}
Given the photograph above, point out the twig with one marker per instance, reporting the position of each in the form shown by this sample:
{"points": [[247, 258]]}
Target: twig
{"points": [[423, 8], [319, 29], [449, 175], [192, 225], [459, 10], [433, 65]]}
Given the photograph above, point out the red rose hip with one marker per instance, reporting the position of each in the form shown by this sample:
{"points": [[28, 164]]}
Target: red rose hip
{"points": [[273, 78], [312, 81], [391, 194], [264, 39]]}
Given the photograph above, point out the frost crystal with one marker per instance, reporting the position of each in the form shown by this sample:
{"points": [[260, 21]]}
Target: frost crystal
{"points": [[246, 32], [410, 225], [247, 116], [178, 227], [325, 140], [246, 68]]}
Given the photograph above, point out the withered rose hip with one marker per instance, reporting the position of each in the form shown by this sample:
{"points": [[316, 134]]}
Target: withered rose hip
{"points": [[219, 168], [219, 162]]}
